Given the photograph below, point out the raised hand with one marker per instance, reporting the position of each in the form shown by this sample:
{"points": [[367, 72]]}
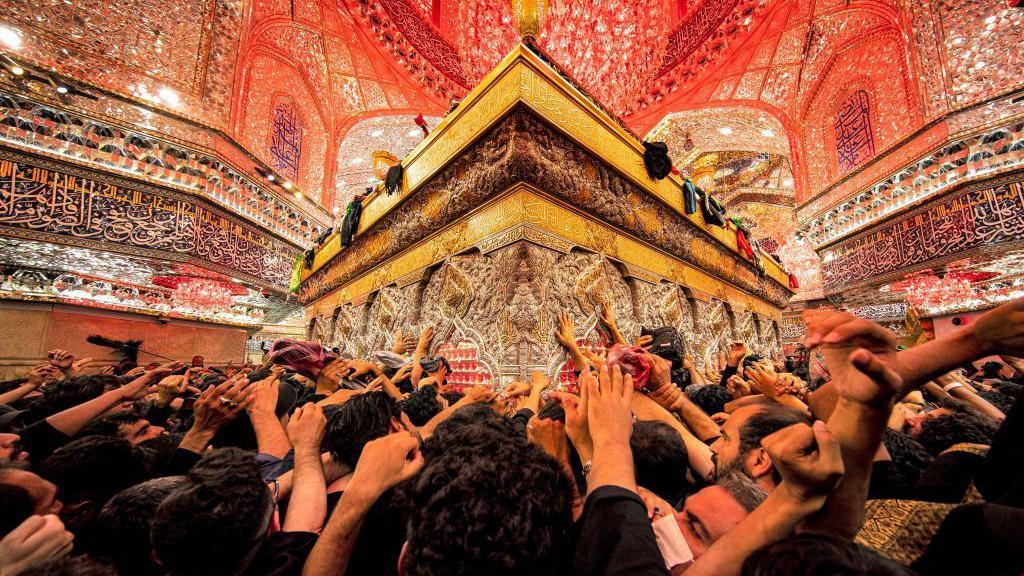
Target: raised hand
{"points": [[516, 389], [426, 337], [306, 428], [565, 334], [34, 541], [140, 386], [173, 386], [737, 350], [577, 426], [607, 314], [264, 396], [218, 405], [609, 401], [476, 395], [79, 365], [809, 460], [737, 386], [1001, 330], [361, 368], [62, 359], [550, 436], [644, 342], [661, 371], [384, 463], [762, 377], [44, 374]]}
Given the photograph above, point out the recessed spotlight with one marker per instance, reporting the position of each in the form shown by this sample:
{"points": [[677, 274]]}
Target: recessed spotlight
{"points": [[298, 195], [767, 133], [17, 70], [10, 37], [725, 130], [287, 185], [62, 89], [271, 177], [377, 133]]}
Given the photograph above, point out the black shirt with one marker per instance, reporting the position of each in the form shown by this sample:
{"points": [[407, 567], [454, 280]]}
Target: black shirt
{"points": [[614, 536]]}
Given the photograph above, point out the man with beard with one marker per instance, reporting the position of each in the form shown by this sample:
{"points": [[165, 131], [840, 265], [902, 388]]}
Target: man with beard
{"points": [[739, 447]]}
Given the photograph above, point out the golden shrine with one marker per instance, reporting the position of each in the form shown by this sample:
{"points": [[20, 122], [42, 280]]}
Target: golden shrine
{"points": [[527, 200]]}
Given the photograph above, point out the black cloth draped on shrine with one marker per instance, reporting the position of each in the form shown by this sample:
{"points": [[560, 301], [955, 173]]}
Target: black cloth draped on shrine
{"points": [[350, 224]]}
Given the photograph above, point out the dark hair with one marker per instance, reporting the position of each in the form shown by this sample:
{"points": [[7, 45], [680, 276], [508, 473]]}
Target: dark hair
{"points": [[908, 455], [157, 451], [121, 532], [213, 523], [15, 506], [991, 369], [660, 459], [65, 394], [422, 405], [452, 397], [487, 503], [965, 424], [768, 419], [71, 566], [711, 398], [1010, 389], [110, 425], [477, 416], [811, 554], [364, 418], [93, 468]]}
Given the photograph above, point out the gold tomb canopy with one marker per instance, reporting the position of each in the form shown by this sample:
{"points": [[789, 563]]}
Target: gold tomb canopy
{"points": [[528, 156]]}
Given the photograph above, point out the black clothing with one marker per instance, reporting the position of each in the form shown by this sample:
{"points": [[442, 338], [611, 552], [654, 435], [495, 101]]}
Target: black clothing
{"points": [[948, 477], [393, 180], [282, 554], [41, 439], [656, 160], [350, 225], [520, 419], [1001, 478], [976, 539], [729, 372], [614, 536], [887, 482], [380, 540]]}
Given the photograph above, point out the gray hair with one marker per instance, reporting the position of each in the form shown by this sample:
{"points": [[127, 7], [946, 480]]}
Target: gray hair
{"points": [[743, 489]]}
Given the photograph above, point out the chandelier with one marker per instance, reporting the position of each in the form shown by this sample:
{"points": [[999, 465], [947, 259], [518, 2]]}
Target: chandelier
{"points": [[200, 293], [927, 291]]}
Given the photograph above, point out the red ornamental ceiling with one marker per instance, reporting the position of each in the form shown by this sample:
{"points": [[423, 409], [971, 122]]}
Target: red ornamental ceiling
{"points": [[843, 81]]}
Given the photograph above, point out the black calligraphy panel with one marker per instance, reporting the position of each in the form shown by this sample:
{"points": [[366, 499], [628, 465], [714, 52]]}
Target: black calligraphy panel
{"points": [[854, 142], [286, 141], [969, 220], [48, 200]]}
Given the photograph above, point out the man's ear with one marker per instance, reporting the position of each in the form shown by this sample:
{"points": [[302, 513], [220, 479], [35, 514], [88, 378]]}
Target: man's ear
{"points": [[758, 463], [77, 515], [401, 558]]}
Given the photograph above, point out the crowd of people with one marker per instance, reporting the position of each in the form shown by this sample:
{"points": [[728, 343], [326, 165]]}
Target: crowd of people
{"points": [[886, 460]]}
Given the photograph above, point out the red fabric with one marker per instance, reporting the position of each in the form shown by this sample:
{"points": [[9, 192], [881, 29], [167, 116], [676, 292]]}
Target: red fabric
{"points": [[422, 123], [744, 246], [793, 283], [632, 361], [676, 171]]}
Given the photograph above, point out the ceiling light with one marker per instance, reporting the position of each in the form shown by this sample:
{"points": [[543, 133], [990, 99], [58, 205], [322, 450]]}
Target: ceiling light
{"points": [[62, 89], [287, 185], [377, 133], [298, 195], [271, 177], [787, 182], [414, 132], [337, 210], [10, 37], [725, 130], [169, 96], [17, 70], [767, 133]]}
